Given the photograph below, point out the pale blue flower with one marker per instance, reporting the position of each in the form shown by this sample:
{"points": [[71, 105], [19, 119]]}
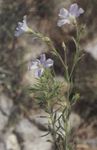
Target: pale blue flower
{"points": [[22, 27], [69, 16], [39, 65]]}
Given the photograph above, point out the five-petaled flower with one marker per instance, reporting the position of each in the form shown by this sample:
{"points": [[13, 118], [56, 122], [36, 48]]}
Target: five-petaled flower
{"points": [[39, 65], [69, 16], [22, 27]]}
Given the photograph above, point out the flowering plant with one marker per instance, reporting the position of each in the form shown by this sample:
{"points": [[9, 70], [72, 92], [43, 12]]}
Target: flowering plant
{"points": [[48, 92], [69, 16]]}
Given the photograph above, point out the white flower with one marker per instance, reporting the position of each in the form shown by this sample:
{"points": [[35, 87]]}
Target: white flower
{"points": [[22, 27], [69, 16], [40, 64]]}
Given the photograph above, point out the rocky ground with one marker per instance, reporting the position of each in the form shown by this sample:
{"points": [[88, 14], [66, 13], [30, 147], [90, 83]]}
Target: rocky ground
{"points": [[21, 131]]}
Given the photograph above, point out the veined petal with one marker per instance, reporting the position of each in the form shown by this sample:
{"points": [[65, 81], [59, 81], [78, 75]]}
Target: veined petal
{"points": [[39, 72], [63, 13], [61, 22], [49, 63], [42, 58], [79, 12], [73, 9]]}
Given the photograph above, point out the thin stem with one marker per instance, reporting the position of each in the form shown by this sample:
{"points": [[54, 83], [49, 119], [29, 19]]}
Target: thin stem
{"points": [[76, 57], [67, 73]]}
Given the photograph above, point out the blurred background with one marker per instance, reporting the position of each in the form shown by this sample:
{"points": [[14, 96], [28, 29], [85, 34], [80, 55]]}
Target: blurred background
{"points": [[15, 55]]}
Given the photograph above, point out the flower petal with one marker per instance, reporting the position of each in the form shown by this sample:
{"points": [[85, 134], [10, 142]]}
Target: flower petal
{"points": [[20, 24], [25, 19], [39, 72], [81, 11], [22, 27], [49, 63], [63, 13], [18, 32], [73, 10], [61, 22], [42, 58], [34, 64], [24, 24]]}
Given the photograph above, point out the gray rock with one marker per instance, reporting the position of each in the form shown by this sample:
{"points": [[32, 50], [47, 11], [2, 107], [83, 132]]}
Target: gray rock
{"points": [[74, 121], [5, 110], [11, 142], [32, 136], [3, 121], [5, 104]]}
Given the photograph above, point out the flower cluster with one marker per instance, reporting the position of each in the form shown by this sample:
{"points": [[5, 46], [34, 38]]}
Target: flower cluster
{"points": [[69, 16], [39, 65], [66, 17], [22, 27]]}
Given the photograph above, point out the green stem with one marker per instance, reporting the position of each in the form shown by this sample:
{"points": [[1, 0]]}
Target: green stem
{"points": [[76, 57]]}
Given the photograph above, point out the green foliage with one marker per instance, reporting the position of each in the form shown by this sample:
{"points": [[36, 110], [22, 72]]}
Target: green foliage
{"points": [[47, 90]]}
